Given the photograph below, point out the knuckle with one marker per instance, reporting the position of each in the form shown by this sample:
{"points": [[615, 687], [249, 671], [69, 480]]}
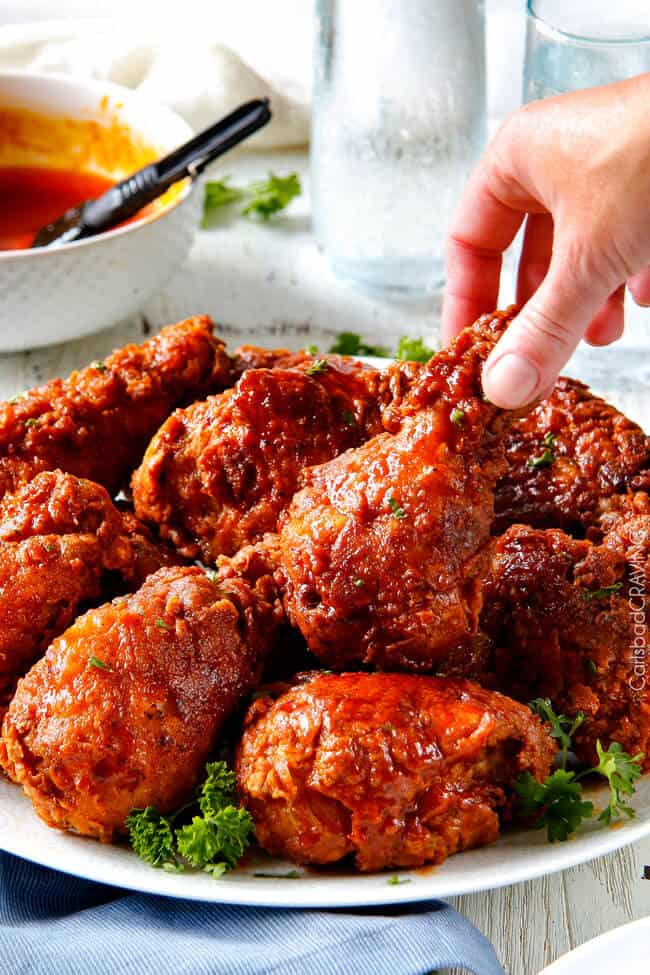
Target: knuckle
{"points": [[594, 258], [536, 323], [506, 159]]}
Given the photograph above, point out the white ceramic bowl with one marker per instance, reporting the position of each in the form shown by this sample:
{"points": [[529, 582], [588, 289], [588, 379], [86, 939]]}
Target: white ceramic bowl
{"points": [[52, 295], [624, 949]]}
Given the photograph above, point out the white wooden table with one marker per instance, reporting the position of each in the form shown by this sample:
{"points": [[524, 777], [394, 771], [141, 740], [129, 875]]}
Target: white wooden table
{"points": [[271, 285]]}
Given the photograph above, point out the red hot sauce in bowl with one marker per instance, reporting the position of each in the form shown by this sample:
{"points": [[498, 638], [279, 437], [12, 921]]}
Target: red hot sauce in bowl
{"points": [[32, 196]]}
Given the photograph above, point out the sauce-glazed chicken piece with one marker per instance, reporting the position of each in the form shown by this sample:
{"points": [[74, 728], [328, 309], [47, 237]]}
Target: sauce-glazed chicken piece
{"points": [[63, 547], [383, 550], [396, 769], [219, 473], [568, 621], [97, 423], [126, 706], [565, 457]]}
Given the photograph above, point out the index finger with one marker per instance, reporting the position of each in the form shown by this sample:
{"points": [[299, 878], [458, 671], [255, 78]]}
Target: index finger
{"points": [[481, 230]]}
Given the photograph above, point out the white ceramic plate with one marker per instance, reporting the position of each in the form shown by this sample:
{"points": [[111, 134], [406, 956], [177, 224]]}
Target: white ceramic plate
{"points": [[624, 949], [519, 855]]}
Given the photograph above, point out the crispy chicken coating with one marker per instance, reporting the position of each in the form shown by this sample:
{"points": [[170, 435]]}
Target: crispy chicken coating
{"points": [[383, 550], [569, 621], [97, 423], [63, 546], [396, 769], [253, 357], [565, 457], [617, 511], [394, 380], [219, 473], [126, 706]]}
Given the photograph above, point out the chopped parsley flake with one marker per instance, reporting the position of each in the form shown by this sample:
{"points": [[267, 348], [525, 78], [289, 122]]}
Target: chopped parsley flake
{"points": [[545, 459], [320, 365], [602, 593], [457, 417], [398, 512], [100, 664]]}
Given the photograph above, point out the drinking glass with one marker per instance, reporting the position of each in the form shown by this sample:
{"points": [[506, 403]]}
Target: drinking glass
{"points": [[575, 44], [398, 122]]}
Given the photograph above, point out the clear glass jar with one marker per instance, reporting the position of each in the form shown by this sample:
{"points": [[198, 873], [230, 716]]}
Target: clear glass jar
{"points": [[398, 122]]}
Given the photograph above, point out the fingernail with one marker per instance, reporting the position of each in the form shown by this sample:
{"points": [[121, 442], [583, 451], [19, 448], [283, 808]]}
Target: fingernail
{"points": [[511, 381]]}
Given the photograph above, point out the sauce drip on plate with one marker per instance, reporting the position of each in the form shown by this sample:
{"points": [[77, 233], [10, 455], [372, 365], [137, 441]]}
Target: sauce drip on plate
{"points": [[31, 197]]}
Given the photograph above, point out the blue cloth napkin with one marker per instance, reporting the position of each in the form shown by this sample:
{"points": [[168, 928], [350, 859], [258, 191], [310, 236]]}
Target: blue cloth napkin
{"points": [[52, 924]]}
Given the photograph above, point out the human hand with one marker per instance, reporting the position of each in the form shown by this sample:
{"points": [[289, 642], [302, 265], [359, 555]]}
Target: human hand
{"points": [[577, 167]]}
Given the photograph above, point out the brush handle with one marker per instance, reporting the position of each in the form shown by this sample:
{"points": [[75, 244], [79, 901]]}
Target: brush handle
{"points": [[125, 199]]}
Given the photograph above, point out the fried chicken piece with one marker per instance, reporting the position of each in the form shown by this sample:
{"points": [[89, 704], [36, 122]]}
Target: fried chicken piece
{"points": [[396, 769], [126, 706], [395, 380], [219, 473], [62, 545], [383, 550], [568, 621], [97, 423], [565, 457]]}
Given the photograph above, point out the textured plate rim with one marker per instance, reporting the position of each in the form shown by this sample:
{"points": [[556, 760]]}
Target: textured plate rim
{"points": [[486, 868]]}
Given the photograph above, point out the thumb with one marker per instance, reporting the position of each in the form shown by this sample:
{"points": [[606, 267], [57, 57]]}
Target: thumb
{"points": [[527, 360]]}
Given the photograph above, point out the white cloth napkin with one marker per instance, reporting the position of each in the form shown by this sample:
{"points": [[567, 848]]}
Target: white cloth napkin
{"points": [[195, 75]]}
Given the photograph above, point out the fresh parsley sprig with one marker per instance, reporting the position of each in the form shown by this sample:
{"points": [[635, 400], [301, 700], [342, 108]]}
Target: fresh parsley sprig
{"points": [[152, 838], [349, 343], [213, 841], [621, 771], [562, 728], [413, 350], [272, 195], [263, 198], [408, 349], [557, 803]]}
